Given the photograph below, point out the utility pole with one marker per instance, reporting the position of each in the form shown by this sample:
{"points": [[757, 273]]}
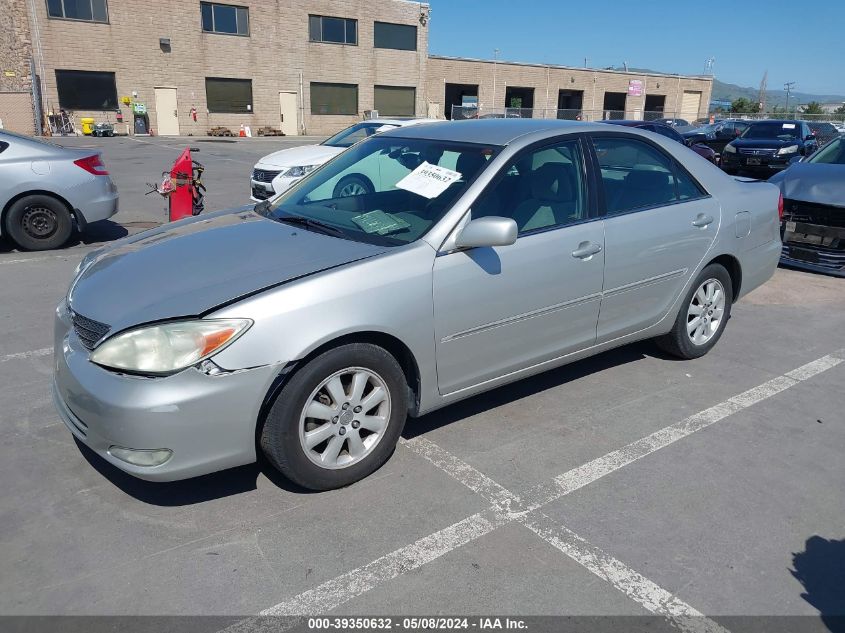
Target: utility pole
{"points": [[495, 66], [788, 86], [761, 97]]}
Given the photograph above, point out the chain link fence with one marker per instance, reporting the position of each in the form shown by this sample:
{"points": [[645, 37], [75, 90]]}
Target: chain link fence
{"points": [[460, 113]]}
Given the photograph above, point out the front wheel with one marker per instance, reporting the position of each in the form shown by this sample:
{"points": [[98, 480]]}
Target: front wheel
{"points": [[703, 315], [338, 419], [353, 185]]}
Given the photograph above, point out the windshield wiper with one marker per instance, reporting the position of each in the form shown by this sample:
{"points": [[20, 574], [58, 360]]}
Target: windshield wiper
{"points": [[314, 225]]}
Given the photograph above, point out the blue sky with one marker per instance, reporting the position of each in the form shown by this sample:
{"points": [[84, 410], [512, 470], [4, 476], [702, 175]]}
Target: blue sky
{"points": [[793, 41]]}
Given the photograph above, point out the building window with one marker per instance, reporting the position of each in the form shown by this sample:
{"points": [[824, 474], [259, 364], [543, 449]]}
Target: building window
{"points": [[86, 10], [224, 18], [398, 36], [86, 90], [332, 30], [395, 100], [233, 96], [334, 98]]}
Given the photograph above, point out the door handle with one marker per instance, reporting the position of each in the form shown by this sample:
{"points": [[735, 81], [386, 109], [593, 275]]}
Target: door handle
{"points": [[702, 220], [586, 250]]}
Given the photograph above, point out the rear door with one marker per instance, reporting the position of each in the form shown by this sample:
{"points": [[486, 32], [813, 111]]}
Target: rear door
{"points": [[659, 224]]}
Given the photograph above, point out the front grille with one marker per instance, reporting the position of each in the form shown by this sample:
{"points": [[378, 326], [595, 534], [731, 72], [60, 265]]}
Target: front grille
{"points": [[264, 175], [260, 193], [813, 213], [88, 330], [757, 152]]}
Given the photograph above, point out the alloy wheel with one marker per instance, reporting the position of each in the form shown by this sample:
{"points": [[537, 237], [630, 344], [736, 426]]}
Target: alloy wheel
{"points": [[352, 189], [706, 311], [344, 418]]}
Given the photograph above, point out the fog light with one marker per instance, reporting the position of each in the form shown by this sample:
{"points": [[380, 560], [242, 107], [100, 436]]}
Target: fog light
{"points": [[141, 457]]}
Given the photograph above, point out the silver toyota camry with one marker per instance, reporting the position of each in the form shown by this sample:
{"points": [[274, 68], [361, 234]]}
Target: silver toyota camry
{"points": [[311, 326]]}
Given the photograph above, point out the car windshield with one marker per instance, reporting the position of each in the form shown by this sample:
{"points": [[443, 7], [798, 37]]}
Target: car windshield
{"points": [[773, 129], [358, 132], [386, 190], [831, 154]]}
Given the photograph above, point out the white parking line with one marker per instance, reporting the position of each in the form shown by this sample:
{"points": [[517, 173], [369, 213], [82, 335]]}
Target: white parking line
{"points": [[631, 583], [33, 353], [333, 593]]}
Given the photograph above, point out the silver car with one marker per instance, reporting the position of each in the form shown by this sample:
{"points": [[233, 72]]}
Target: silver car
{"points": [[312, 326], [45, 189]]}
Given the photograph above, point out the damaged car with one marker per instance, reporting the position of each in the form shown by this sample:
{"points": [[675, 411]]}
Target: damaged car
{"points": [[813, 228]]}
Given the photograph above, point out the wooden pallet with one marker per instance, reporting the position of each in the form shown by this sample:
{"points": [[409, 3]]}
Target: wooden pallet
{"points": [[220, 131], [269, 131]]}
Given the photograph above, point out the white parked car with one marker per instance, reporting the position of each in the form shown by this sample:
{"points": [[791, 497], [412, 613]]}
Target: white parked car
{"points": [[276, 172]]}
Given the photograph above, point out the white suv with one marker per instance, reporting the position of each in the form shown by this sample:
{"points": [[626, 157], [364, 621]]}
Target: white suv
{"points": [[276, 172]]}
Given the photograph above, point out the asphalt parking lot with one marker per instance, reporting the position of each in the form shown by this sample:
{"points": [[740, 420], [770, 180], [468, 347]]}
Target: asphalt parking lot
{"points": [[626, 484]]}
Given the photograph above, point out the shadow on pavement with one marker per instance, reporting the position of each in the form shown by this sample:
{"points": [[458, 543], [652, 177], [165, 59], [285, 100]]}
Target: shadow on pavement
{"points": [[821, 569], [528, 387], [189, 491], [95, 233]]}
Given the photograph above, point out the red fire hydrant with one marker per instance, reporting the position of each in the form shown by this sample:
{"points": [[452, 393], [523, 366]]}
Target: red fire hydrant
{"points": [[183, 187]]}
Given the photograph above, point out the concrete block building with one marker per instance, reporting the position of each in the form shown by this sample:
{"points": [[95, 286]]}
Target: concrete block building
{"points": [[299, 66]]}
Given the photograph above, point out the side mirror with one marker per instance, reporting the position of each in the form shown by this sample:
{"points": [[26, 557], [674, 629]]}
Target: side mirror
{"points": [[810, 137], [489, 231]]}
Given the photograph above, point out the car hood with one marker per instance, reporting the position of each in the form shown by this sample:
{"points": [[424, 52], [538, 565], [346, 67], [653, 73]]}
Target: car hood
{"points": [[299, 156], [810, 182], [764, 143], [190, 267]]}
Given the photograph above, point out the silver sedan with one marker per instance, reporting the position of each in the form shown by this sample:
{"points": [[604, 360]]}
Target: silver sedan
{"points": [[46, 189], [311, 326]]}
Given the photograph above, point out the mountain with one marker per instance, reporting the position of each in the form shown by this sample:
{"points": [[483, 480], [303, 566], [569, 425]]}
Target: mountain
{"points": [[723, 91]]}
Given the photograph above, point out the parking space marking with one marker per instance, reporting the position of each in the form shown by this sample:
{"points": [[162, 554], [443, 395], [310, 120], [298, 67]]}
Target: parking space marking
{"points": [[339, 590], [33, 353], [633, 584]]}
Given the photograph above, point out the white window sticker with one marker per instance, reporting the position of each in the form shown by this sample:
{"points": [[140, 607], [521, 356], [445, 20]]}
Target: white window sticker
{"points": [[788, 126], [428, 180]]}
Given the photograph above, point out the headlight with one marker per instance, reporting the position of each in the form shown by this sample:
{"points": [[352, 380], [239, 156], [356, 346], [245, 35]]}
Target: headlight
{"points": [[299, 172], [169, 347], [791, 149], [730, 149]]}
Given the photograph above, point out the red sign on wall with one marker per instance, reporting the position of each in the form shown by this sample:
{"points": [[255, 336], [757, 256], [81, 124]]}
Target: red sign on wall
{"points": [[635, 88]]}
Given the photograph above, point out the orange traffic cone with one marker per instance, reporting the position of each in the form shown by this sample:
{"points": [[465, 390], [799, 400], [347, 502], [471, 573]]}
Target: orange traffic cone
{"points": [[242, 133]]}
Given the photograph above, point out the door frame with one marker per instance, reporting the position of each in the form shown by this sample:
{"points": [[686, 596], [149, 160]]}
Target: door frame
{"points": [[295, 112], [176, 89]]}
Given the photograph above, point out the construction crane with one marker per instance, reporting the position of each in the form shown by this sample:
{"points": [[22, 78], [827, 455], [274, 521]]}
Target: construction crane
{"points": [[761, 98]]}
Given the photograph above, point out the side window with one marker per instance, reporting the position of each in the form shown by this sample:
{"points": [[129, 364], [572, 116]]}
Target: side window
{"points": [[665, 130], [539, 189], [636, 175]]}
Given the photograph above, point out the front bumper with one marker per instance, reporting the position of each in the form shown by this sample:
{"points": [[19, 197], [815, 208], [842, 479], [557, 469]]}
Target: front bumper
{"points": [[732, 161], [813, 247], [262, 190], [208, 421]]}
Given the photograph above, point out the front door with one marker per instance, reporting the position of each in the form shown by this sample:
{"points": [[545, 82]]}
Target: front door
{"points": [[288, 113], [167, 112], [659, 225], [499, 310]]}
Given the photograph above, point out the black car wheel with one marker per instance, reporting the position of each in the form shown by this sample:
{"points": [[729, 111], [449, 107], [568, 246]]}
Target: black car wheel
{"points": [[39, 223]]}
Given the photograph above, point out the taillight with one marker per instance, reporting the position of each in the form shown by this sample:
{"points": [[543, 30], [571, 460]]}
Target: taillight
{"points": [[93, 165], [780, 206]]}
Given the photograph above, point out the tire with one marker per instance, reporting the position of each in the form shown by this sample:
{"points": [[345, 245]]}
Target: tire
{"points": [[353, 185], [38, 222], [283, 437], [681, 343]]}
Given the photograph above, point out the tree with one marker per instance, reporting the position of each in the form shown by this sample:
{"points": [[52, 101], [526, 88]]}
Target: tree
{"points": [[744, 106], [840, 109], [814, 107]]}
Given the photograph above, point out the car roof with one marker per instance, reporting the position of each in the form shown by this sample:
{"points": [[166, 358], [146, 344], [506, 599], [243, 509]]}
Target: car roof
{"points": [[490, 131], [399, 122]]}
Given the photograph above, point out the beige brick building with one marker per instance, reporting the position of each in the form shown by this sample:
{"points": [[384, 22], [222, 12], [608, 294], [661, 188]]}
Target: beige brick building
{"points": [[16, 103], [301, 66]]}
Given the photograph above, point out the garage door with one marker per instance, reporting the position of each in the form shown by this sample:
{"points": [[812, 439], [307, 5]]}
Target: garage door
{"points": [[690, 105]]}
